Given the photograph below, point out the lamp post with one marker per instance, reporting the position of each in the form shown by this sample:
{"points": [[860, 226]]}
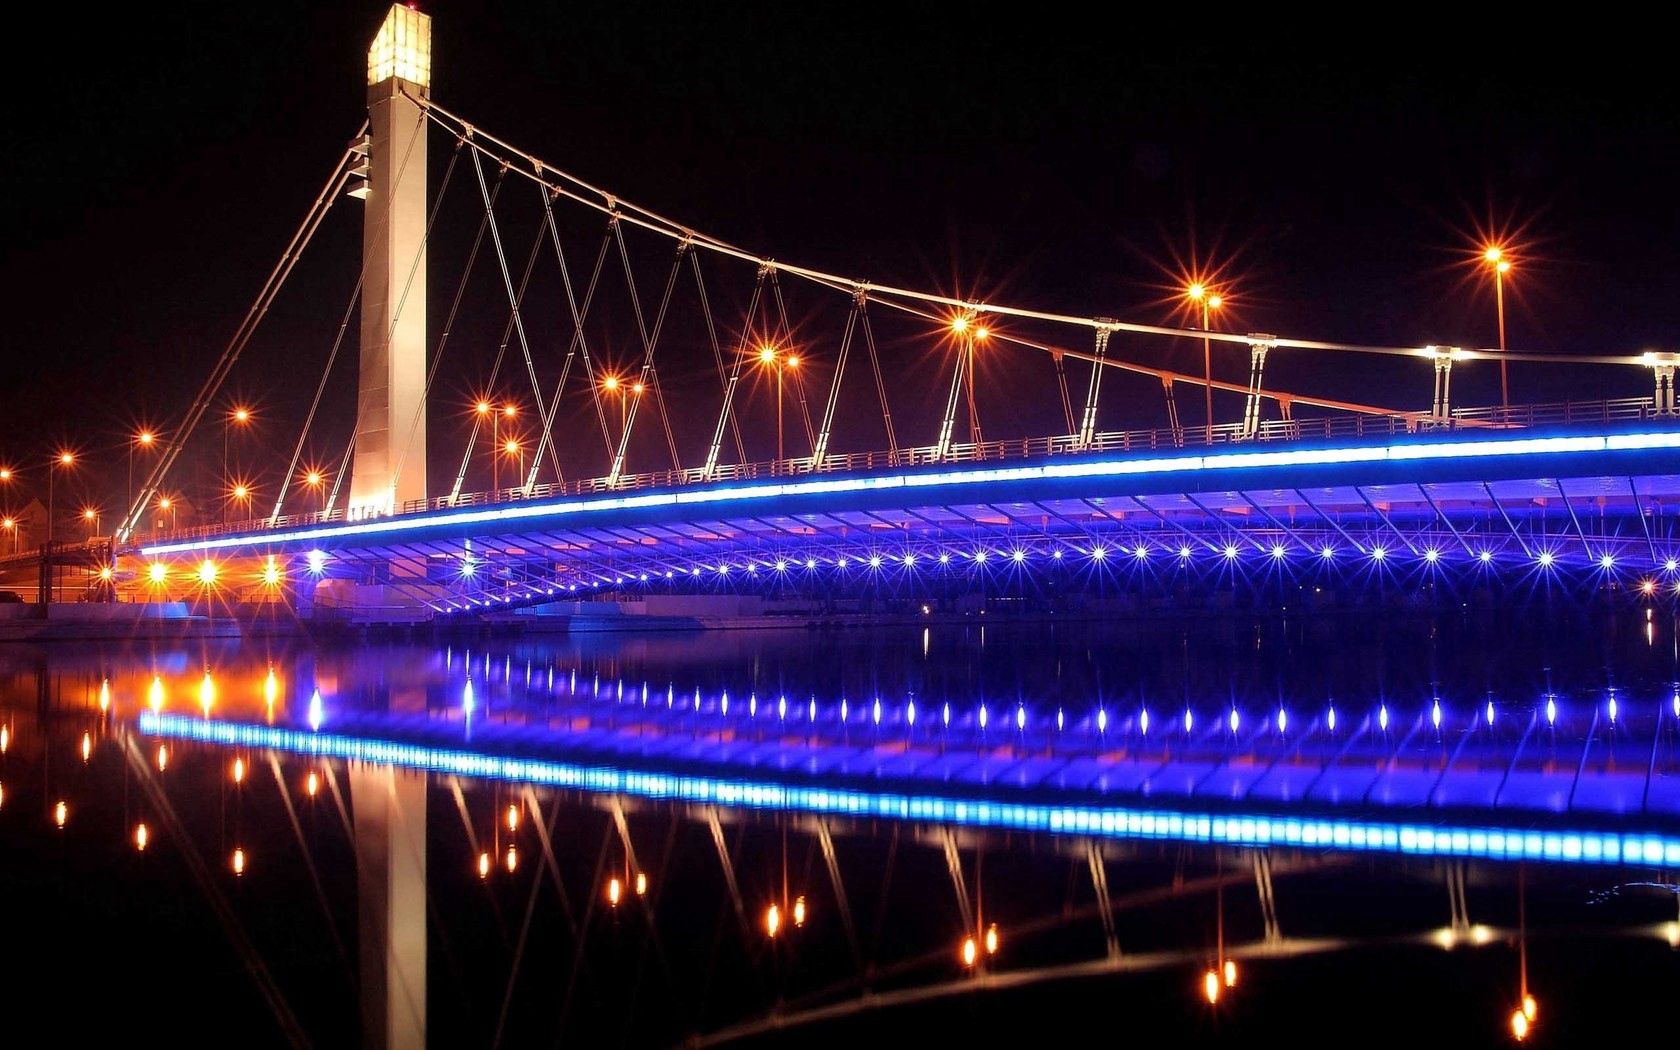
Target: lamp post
{"points": [[1495, 257], [1209, 301], [315, 480], [513, 449], [11, 526], [241, 494], [65, 459], [168, 504], [239, 416], [614, 385], [146, 440], [770, 357]]}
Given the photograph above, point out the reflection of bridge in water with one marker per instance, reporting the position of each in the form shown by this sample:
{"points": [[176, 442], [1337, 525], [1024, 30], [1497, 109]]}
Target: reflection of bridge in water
{"points": [[453, 766]]}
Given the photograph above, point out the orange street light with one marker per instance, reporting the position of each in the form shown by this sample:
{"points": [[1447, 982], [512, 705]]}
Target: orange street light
{"points": [[510, 410], [770, 357], [145, 439], [5, 473], [11, 526], [66, 459], [315, 480], [483, 408], [1500, 263], [615, 385], [238, 416], [1208, 300]]}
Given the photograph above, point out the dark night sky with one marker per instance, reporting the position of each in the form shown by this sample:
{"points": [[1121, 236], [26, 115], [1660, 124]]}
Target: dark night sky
{"points": [[1056, 162]]}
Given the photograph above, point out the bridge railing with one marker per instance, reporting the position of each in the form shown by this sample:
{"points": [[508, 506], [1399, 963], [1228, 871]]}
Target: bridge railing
{"points": [[1561, 413]]}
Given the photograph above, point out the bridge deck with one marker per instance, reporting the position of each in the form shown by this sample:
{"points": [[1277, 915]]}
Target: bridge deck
{"points": [[1580, 493]]}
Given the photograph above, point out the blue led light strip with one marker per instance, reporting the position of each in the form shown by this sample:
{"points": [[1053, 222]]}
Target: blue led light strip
{"points": [[1438, 840], [1077, 468]]}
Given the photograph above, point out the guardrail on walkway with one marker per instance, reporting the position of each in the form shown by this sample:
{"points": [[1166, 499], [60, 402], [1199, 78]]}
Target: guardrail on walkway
{"points": [[1563, 413]]}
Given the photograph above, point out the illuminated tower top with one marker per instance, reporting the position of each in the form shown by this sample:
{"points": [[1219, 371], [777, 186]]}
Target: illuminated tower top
{"points": [[402, 48]]}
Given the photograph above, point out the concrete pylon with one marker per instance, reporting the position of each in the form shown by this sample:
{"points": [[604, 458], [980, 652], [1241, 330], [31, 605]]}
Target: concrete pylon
{"points": [[389, 813], [390, 461]]}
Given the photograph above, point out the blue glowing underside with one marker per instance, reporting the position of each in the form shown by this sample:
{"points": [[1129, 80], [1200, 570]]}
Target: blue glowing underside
{"points": [[1252, 829], [1546, 455]]}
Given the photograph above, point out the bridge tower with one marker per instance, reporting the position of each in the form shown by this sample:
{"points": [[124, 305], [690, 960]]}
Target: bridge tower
{"points": [[390, 460]]}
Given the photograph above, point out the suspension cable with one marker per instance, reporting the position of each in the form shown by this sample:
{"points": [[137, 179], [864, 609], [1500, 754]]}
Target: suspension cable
{"points": [[242, 335], [717, 351], [1062, 385], [650, 340], [501, 350], [514, 303], [786, 340], [880, 380], [449, 323], [320, 389], [819, 448], [594, 197], [396, 316], [733, 382], [579, 346]]}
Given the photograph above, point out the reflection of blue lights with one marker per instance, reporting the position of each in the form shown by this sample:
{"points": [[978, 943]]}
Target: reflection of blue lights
{"points": [[1069, 469], [1251, 830]]}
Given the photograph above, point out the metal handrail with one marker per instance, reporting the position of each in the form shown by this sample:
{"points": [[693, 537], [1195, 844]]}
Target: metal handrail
{"points": [[1156, 439]]}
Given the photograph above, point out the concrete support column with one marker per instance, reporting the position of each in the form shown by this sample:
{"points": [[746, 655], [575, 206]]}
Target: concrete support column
{"points": [[390, 459], [389, 811]]}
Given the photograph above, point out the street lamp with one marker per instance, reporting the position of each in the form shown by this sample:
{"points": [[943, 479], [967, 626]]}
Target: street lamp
{"points": [[770, 357], [508, 411], [1208, 300], [146, 439], [512, 448], [314, 479], [239, 416], [625, 391], [91, 516], [165, 503], [1500, 264], [241, 493], [64, 460], [11, 526]]}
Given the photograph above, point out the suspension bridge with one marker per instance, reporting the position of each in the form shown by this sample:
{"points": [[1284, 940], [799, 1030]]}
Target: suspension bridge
{"points": [[917, 436]]}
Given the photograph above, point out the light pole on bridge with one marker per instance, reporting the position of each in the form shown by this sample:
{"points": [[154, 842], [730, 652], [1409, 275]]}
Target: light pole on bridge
{"points": [[770, 357], [1497, 260], [65, 460], [145, 439], [1208, 300]]}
